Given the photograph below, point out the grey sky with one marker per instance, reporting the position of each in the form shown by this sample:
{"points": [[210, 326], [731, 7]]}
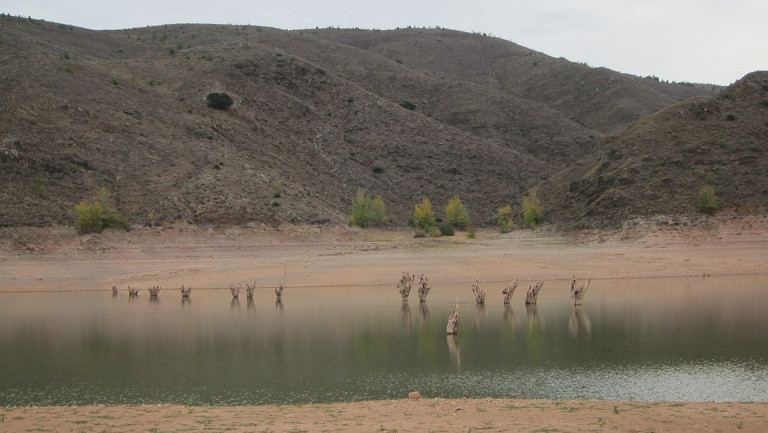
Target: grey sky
{"points": [[711, 41]]}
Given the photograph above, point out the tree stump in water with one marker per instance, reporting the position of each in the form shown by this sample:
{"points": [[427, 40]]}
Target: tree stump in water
{"points": [[235, 290], [509, 290], [577, 293], [423, 288], [479, 293], [153, 291], [533, 293], [453, 323], [185, 291], [279, 292], [249, 289], [133, 292], [114, 290], [405, 284]]}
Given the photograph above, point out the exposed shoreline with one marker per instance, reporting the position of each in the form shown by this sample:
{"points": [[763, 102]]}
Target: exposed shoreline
{"points": [[56, 260], [438, 415]]}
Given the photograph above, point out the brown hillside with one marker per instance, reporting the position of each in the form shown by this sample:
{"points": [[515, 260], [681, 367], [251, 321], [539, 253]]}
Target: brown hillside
{"points": [[317, 115], [657, 165], [598, 98]]}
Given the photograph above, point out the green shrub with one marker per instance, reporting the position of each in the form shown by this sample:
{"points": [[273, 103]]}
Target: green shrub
{"points": [[419, 233], [219, 101], [446, 229], [97, 216], [504, 219], [367, 211], [424, 216], [456, 214], [533, 212], [408, 105], [707, 200]]}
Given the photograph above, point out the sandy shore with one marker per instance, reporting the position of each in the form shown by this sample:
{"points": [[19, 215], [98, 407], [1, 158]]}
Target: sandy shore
{"points": [[425, 415], [312, 257], [58, 260]]}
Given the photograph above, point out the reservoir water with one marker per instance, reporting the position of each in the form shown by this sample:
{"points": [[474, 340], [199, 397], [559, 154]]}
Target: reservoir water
{"points": [[667, 339]]}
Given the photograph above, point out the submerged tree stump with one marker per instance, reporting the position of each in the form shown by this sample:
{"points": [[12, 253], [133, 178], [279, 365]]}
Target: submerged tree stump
{"points": [[405, 284], [185, 291], [479, 293], [453, 323], [577, 293], [533, 293], [249, 289], [279, 292], [133, 291], [153, 291], [423, 288], [509, 290], [235, 290]]}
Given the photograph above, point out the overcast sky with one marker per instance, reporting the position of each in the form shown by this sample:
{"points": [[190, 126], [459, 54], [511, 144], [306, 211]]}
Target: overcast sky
{"points": [[710, 41]]}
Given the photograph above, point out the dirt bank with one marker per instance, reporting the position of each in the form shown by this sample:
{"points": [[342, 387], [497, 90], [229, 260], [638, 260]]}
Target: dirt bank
{"points": [[425, 415]]}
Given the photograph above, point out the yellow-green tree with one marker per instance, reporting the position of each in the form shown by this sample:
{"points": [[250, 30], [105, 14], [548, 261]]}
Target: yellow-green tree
{"points": [[367, 211], [457, 214], [424, 216], [533, 212], [504, 219]]}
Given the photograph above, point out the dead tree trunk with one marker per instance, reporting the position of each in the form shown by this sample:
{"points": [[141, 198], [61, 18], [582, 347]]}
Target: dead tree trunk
{"points": [[279, 292], [577, 293], [185, 291], [453, 323], [114, 290], [153, 291], [133, 292], [405, 284], [533, 293], [235, 290], [509, 290], [479, 293], [423, 288], [249, 289]]}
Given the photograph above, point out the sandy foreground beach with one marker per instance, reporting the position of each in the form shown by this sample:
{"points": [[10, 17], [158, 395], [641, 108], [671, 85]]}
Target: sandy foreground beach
{"points": [[56, 259]]}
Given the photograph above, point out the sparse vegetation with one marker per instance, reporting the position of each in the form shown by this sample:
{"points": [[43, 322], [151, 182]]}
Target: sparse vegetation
{"points": [[219, 101], [457, 214], [408, 105], [504, 219], [446, 229], [424, 216], [97, 216], [707, 200], [533, 212], [367, 211]]}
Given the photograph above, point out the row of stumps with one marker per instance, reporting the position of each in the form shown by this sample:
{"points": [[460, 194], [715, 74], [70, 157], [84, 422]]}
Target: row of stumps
{"points": [[186, 291], [452, 328]]}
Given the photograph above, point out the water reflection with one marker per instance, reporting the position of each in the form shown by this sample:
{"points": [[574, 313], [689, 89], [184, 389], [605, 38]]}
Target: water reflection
{"points": [[405, 315], [279, 305], [579, 322], [534, 320], [423, 314], [509, 317], [453, 349], [352, 343], [235, 304]]}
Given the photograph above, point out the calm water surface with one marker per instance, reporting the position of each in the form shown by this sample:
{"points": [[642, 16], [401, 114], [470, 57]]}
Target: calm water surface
{"points": [[687, 339]]}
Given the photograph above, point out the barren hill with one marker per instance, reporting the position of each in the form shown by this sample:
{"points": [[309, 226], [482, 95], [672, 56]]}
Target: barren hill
{"points": [[657, 165], [317, 114]]}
